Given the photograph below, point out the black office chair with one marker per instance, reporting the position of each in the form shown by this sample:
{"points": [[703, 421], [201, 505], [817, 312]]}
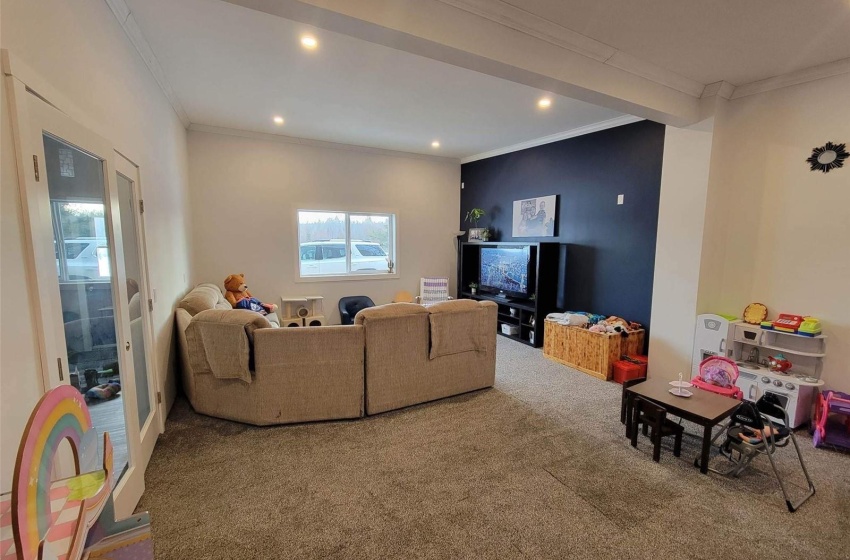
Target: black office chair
{"points": [[349, 306]]}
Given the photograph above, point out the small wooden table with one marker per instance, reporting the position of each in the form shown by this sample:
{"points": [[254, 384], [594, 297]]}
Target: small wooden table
{"points": [[704, 408]]}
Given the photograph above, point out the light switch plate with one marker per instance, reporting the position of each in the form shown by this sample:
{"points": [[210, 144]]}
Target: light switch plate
{"points": [[620, 198]]}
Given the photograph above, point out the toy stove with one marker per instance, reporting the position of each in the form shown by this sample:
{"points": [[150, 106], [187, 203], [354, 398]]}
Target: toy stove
{"points": [[794, 390]]}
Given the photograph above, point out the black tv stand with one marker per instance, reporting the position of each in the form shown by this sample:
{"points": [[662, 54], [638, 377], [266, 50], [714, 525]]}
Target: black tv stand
{"points": [[525, 314]]}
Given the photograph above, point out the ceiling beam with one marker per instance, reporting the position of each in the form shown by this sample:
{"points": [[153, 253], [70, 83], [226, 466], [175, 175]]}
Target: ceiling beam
{"points": [[562, 61]]}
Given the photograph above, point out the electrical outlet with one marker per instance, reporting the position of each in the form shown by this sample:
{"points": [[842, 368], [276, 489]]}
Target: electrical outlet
{"points": [[620, 198]]}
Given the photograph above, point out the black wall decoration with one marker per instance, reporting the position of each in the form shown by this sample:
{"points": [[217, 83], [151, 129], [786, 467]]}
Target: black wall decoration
{"points": [[828, 157], [610, 248]]}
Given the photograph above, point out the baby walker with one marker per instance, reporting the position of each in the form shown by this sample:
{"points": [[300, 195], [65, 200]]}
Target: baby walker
{"points": [[832, 420]]}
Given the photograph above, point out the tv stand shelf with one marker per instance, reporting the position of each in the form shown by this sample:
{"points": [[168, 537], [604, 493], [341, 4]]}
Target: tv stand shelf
{"points": [[529, 313]]}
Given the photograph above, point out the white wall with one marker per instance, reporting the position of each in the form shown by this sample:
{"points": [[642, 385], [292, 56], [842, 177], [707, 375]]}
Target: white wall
{"points": [[245, 192], [681, 217], [764, 228], [787, 229], [81, 51]]}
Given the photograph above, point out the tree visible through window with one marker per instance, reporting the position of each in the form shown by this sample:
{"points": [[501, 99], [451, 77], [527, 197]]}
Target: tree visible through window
{"points": [[345, 243]]}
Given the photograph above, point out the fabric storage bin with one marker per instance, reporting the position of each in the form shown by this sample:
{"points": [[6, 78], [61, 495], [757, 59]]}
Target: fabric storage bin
{"points": [[512, 330]]}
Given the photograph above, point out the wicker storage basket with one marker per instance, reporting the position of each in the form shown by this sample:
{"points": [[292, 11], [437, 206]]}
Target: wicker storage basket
{"points": [[590, 352]]}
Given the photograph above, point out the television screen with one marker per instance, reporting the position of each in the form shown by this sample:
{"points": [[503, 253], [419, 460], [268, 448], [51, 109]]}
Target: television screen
{"points": [[505, 269]]}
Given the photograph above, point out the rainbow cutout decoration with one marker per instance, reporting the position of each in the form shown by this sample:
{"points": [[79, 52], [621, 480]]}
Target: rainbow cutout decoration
{"points": [[60, 414]]}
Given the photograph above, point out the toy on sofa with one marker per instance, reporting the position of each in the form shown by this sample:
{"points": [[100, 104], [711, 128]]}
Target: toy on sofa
{"points": [[239, 297], [832, 420]]}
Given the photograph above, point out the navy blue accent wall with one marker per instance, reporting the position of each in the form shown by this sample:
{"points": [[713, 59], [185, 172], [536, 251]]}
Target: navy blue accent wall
{"points": [[610, 248]]}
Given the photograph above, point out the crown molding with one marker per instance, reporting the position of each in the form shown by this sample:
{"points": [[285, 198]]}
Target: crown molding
{"points": [[134, 33], [282, 139], [551, 32], [720, 89], [536, 26], [580, 131], [794, 78]]}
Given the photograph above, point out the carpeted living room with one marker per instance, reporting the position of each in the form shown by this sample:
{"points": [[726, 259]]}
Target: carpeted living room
{"points": [[536, 467], [424, 279]]}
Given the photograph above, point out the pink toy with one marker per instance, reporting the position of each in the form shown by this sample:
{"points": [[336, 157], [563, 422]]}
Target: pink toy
{"points": [[718, 375], [832, 420]]}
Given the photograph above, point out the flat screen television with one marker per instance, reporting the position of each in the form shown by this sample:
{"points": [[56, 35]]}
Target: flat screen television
{"points": [[506, 270]]}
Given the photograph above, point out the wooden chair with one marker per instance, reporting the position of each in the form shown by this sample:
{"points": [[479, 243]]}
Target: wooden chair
{"points": [[654, 419], [623, 406]]}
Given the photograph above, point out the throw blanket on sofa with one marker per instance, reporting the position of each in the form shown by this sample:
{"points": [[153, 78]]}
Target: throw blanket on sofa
{"points": [[220, 342], [455, 327]]}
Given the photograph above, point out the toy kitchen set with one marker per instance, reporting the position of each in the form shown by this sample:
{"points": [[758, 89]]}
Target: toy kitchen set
{"points": [[783, 357]]}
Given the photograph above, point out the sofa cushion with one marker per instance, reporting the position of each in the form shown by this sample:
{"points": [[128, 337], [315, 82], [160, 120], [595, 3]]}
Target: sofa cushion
{"points": [[220, 342], [389, 310], [202, 298], [455, 327]]}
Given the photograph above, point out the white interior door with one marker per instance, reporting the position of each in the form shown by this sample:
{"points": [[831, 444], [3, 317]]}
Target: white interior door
{"points": [[148, 400], [72, 210]]}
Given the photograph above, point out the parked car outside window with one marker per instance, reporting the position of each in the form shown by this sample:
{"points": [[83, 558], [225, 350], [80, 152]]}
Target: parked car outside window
{"points": [[328, 257]]}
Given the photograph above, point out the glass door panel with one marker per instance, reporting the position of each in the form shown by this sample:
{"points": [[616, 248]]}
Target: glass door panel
{"points": [[133, 270], [77, 192]]}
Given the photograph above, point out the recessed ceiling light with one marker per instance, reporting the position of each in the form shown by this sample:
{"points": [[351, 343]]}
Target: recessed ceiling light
{"points": [[309, 42], [544, 103], [278, 120], [435, 144]]}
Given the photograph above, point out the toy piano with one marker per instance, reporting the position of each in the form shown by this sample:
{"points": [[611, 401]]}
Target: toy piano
{"points": [[73, 518]]}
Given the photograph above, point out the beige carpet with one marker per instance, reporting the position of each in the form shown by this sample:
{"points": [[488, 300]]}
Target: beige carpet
{"points": [[535, 468]]}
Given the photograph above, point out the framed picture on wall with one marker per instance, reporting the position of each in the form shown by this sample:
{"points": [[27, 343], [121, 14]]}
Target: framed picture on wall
{"points": [[535, 217]]}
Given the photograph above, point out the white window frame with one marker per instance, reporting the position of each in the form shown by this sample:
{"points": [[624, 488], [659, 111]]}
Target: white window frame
{"points": [[350, 275]]}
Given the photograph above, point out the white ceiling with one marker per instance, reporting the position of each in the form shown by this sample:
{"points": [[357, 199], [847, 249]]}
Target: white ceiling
{"points": [[737, 41], [234, 67]]}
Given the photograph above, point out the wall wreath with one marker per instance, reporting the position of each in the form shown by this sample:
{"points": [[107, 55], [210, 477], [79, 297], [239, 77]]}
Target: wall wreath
{"points": [[828, 157]]}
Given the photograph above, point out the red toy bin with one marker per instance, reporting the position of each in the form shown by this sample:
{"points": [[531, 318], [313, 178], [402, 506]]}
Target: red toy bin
{"points": [[626, 371]]}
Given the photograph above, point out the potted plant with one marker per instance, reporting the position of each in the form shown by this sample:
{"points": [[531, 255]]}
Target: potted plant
{"points": [[476, 233], [473, 288]]}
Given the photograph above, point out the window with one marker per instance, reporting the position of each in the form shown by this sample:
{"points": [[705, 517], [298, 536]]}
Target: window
{"points": [[81, 228], [73, 249], [345, 243]]}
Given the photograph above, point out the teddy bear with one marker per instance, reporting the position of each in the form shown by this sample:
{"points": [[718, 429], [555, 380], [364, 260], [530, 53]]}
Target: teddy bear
{"points": [[239, 297]]}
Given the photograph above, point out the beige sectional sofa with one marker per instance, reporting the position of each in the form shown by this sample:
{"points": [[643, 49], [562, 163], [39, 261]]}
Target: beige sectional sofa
{"points": [[416, 354], [238, 367], [295, 376]]}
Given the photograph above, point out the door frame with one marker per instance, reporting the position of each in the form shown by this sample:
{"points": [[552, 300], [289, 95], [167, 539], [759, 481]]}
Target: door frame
{"points": [[70, 125]]}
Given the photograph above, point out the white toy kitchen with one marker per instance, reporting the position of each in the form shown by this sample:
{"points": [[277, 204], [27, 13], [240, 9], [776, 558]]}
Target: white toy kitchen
{"points": [[751, 347]]}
